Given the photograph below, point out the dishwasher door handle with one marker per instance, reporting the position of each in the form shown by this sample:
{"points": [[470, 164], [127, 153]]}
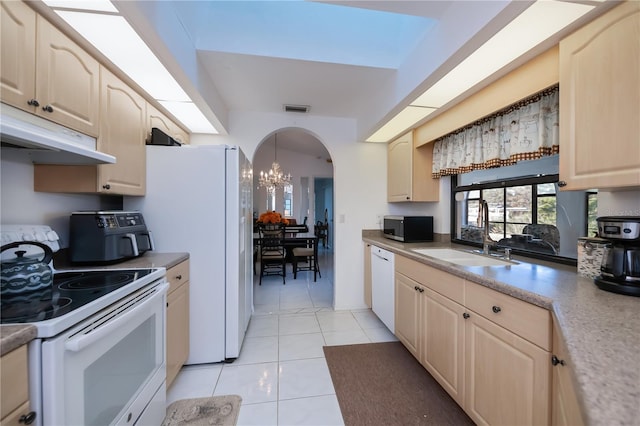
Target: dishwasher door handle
{"points": [[380, 257]]}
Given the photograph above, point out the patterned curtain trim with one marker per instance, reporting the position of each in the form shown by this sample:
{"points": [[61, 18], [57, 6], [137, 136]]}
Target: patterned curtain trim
{"points": [[526, 130]]}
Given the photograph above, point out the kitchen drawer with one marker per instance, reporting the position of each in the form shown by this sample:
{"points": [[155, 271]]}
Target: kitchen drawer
{"points": [[178, 275], [14, 381], [442, 282], [528, 321]]}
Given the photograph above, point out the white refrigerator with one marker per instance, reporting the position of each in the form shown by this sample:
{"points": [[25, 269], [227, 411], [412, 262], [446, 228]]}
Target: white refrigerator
{"points": [[199, 200]]}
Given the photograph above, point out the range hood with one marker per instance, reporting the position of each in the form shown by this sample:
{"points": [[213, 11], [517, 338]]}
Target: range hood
{"points": [[48, 142]]}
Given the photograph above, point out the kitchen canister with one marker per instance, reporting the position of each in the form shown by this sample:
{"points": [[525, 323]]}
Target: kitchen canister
{"points": [[590, 253]]}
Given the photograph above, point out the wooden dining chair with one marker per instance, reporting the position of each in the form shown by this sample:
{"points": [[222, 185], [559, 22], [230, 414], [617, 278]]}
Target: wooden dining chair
{"points": [[308, 255], [321, 231], [272, 251]]}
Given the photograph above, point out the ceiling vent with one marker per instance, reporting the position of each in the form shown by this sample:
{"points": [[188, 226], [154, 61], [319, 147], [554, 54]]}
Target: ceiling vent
{"points": [[296, 108]]}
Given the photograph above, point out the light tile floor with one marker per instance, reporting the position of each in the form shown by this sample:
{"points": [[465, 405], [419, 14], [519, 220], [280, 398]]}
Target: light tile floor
{"points": [[281, 373]]}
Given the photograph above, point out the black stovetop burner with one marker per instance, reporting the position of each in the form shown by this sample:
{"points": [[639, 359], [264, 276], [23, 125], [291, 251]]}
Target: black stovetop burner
{"points": [[69, 291]]}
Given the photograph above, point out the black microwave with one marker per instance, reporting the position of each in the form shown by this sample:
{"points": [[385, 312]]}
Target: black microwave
{"points": [[408, 229]]}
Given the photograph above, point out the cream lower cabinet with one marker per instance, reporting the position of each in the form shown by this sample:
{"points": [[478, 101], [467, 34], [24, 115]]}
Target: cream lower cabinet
{"points": [[177, 319], [430, 325], [408, 313], [367, 274], [565, 408], [599, 102], [488, 350], [444, 330], [14, 389], [507, 378]]}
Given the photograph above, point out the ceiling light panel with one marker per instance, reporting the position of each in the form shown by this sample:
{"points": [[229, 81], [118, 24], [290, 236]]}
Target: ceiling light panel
{"points": [[536, 24], [189, 115], [114, 37], [94, 5], [400, 123]]}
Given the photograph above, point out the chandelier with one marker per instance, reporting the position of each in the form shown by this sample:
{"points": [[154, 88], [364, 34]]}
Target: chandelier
{"points": [[275, 178]]}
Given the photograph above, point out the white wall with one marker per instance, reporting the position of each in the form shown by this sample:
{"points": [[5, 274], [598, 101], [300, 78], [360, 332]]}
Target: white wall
{"points": [[22, 206], [622, 203], [360, 180]]}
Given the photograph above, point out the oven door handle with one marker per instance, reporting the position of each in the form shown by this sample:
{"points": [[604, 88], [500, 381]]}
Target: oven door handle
{"points": [[78, 343]]}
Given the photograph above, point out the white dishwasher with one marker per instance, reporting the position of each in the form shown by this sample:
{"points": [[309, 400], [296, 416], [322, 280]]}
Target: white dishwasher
{"points": [[382, 285]]}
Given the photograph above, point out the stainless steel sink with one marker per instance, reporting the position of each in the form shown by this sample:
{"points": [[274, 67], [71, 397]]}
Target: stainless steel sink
{"points": [[463, 258]]}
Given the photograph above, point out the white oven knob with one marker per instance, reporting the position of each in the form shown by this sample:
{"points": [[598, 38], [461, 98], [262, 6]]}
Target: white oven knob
{"points": [[27, 237], [52, 236], [40, 237]]}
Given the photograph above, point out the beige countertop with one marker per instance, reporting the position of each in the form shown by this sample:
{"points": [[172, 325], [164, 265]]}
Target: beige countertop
{"points": [[15, 335], [601, 329]]}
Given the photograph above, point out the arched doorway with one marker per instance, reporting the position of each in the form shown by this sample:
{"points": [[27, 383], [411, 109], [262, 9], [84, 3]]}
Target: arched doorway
{"points": [[304, 156]]}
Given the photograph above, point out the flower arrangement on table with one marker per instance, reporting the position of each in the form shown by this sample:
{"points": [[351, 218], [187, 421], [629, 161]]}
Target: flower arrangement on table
{"points": [[272, 217]]}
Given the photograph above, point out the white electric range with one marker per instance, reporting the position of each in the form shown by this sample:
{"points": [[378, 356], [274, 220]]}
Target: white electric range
{"points": [[99, 354]]}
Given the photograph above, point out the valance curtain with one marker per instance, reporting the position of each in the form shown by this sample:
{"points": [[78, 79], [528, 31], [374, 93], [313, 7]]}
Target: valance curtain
{"points": [[524, 131]]}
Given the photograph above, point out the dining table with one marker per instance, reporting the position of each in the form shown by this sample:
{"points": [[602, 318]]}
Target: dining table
{"points": [[293, 238]]}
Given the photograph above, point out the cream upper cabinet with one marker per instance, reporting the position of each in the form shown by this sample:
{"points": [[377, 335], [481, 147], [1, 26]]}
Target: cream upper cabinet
{"points": [[409, 171], [125, 140], [565, 408], [157, 119], [600, 102], [44, 72], [122, 134], [18, 54]]}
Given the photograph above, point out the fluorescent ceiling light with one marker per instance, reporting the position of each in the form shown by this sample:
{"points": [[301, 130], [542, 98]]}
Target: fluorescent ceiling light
{"points": [[401, 122], [95, 5], [113, 36], [536, 24], [540, 21], [189, 114]]}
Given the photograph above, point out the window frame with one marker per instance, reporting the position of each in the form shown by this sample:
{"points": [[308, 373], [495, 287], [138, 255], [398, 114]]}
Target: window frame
{"points": [[532, 181]]}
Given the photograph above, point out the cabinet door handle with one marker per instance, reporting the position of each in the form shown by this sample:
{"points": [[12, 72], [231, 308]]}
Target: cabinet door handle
{"points": [[415, 287], [562, 183], [408, 198], [421, 290], [465, 315], [33, 102], [496, 309], [555, 360], [47, 108], [178, 277], [28, 418], [107, 186]]}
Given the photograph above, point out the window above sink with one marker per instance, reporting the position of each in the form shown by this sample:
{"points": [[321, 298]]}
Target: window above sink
{"points": [[527, 213]]}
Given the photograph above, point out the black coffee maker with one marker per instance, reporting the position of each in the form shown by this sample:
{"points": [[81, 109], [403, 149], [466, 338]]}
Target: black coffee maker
{"points": [[620, 268]]}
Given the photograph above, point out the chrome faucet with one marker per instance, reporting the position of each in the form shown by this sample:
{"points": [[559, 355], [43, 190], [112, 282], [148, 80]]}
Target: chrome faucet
{"points": [[487, 241]]}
